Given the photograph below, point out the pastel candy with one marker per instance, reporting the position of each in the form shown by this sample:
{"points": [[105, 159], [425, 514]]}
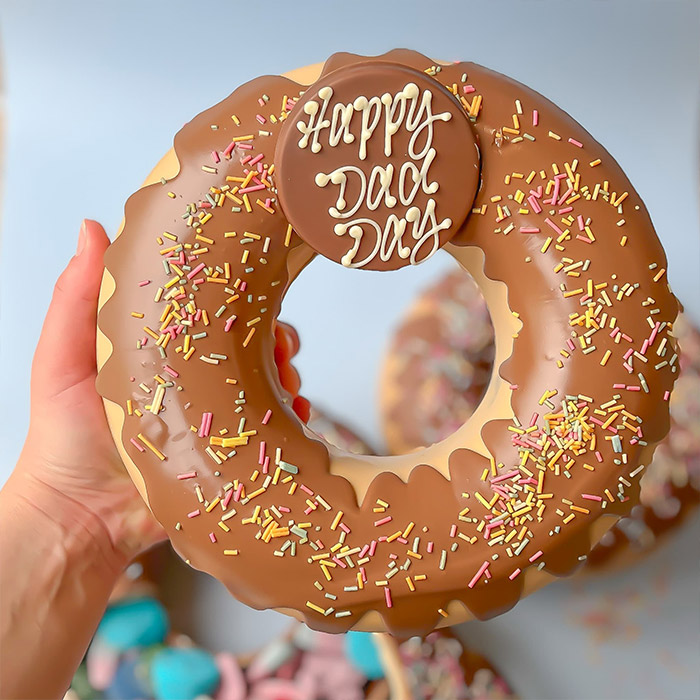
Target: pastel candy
{"points": [[363, 654], [270, 658], [233, 685], [183, 674], [128, 683], [101, 664], [81, 686], [276, 689], [135, 622]]}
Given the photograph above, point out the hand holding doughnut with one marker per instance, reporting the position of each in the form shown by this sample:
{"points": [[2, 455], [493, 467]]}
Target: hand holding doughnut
{"points": [[376, 165]]}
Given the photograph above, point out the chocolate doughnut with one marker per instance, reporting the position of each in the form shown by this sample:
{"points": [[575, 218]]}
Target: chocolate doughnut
{"points": [[378, 162], [437, 369]]}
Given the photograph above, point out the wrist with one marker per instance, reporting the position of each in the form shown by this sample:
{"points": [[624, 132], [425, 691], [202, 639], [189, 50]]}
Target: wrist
{"points": [[71, 528]]}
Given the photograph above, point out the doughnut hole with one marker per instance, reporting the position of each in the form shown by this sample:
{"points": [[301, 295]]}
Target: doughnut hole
{"points": [[354, 324]]}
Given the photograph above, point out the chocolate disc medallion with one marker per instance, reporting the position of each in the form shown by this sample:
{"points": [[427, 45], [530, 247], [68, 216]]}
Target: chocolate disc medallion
{"points": [[377, 166]]}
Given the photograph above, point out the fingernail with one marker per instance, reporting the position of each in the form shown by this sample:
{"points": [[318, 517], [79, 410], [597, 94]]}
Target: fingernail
{"points": [[82, 237]]}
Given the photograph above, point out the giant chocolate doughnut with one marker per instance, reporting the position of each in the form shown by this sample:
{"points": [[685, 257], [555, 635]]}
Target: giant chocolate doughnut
{"points": [[564, 253]]}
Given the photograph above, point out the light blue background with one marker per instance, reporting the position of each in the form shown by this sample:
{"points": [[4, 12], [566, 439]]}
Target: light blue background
{"points": [[96, 91]]}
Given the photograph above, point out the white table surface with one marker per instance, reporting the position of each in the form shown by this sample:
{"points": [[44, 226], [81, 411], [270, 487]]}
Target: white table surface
{"points": [[96, 91]]}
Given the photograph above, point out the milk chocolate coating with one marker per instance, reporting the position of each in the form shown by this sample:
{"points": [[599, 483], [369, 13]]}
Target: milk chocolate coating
{"points": [[438, 366], [635, 294]]}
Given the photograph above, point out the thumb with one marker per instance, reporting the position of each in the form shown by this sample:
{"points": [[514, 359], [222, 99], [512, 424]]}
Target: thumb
{"points": [[65, 355]]}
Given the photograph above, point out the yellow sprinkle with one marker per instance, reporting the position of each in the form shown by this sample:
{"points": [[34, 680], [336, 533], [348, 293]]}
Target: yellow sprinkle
{"points": [[336, 520], [309, 604], [151, 446], [230, 552], [248, 337]]}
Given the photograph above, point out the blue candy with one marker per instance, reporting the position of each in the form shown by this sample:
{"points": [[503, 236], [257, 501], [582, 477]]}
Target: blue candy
{"points": [[136, 622], [183, 674], [363, 654], [128, 683]]}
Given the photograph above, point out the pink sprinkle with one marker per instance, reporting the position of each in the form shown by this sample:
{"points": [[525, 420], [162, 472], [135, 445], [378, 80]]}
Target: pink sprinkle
{"points": [[255, 160], [251, 188], [243, 286], [598, 456], [468, 89], [227, 498], [372, 547], [239, 491], [591, 497], [453, 531], [579, 220], [341, 564], [667, 395], [618, 386], [261, 455], [513, 387], [266, 464], [187, 475], [576, 143], [393, 556], [529, 229], [551, 224], [627, 354], [215, 156], [193, 273], [260, 118], [306, 489], [143, 283], [363, 551], [212, 537], [245, 146], [536, 556], [229, 149], [479, 574], [534, 419], [566, 210], [137, 446], [383, 521], [228, 324], [535, 117], [503, 477], [387, 595], [363, 574], [514, 575], [345, 528], [534, 204], [633, 388], [284, 509], [193, 514], [205, 427], [245, 159], [430, 547], [267, 417], [170, 371]]}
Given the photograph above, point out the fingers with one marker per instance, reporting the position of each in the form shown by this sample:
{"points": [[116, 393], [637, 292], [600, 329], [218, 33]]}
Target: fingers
{"points": [[65, 355]]}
